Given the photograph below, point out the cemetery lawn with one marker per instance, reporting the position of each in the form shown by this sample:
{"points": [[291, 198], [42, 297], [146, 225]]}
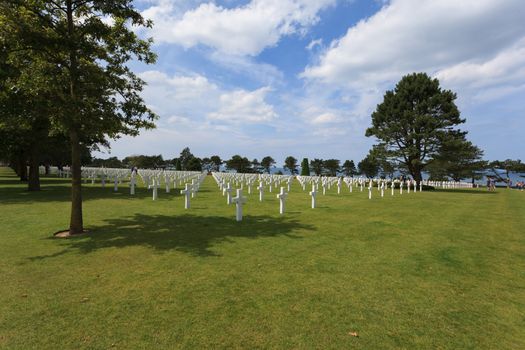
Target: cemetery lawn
{"points": [[432, 270]]}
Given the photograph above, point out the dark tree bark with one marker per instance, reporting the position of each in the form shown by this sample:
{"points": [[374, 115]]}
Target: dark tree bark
{"points": [[76, 224], [22, 167], [34, 174]]}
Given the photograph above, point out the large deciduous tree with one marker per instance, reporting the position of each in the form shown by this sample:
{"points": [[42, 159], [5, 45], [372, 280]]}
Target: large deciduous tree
{"points": [[290, 163], [331, 166], [369, 166], [349, 168], [267, 163], [414, 120], [316, 165], [86, 44], [239, 164]]}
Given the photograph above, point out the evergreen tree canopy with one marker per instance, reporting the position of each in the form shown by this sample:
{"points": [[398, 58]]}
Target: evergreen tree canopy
{"points": [[267, 163], [290, 163], [331, 166], [349, 168], [317, 166], [414, 120], [305, 167]]}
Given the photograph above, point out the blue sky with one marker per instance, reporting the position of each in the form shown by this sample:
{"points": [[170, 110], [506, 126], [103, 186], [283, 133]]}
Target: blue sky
{"points": [[301, 77]]}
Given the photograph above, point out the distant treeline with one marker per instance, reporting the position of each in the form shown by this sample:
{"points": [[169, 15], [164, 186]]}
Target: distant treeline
{"points": [[371, 166]]}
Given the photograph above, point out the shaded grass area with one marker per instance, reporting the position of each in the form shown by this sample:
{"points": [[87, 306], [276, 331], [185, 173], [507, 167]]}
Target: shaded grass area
{"points": [[432, 270]]}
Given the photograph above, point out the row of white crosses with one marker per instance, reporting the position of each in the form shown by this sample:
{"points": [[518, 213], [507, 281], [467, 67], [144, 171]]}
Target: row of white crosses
{"points": [[190, 180], [224, 182], [152, 179]]}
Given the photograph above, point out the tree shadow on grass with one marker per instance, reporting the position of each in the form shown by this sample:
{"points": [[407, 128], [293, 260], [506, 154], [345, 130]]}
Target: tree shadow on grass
{"points": [[62, 193], [192, 234], [463, 191]]}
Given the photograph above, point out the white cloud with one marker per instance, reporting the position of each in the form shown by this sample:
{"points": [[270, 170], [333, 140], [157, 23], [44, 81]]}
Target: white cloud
{"points": [[419, 35], [326, 118], [245, 30], [246, 66], [243, 106], [314, 43], [507, 67]]}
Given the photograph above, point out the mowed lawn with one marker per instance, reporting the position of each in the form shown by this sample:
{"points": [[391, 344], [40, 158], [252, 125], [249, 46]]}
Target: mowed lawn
{"points": [[432, 270]]}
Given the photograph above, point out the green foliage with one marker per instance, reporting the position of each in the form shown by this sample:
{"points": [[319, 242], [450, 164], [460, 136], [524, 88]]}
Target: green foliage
{"points": [[144, 162], [194, 164], [95, 96], [305, 167], [239, 164], [267, 163], [290, 163], [257, 167], [112, 162], [331, 166], [216, 163], [178, 165], [369, 166], [414, 120], [317, 166], [458, 159], [349, 168]]}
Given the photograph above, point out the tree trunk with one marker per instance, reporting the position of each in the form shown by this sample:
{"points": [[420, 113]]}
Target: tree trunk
{"points": [[22, 167], [34, 174], [76, 224]]}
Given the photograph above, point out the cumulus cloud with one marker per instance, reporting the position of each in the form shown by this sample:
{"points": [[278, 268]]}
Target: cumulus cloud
{"points": [[245, 30], [422, 35], [243, 106], [192, 100]]}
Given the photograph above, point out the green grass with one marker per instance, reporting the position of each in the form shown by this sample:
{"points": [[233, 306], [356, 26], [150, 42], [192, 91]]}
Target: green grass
{"points": [[432, 270]]}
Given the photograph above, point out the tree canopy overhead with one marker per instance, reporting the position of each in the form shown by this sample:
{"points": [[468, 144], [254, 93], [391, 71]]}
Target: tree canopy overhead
{"points": [[85, 46], [414, 121]]}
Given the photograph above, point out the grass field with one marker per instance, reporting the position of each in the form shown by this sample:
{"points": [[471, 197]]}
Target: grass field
{"points": [[432, 270]]}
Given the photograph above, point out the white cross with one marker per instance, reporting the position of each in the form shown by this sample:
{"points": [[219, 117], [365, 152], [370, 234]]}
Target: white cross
{"points": [[167, 184], [392, 187], [155, 188], [408, 186], [194, 188], [187, 194], [132, 184], [415, 186], [339, 186], [400, 187], [370, 190], [115, 184], [420, 186], [313, 193], [261, 191], [228, 191], [382, 189], [282, 199], [239, 201]]}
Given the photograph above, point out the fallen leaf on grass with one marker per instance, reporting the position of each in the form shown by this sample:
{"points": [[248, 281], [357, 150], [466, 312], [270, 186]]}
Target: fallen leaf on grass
{"points": [[353, 334]]}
